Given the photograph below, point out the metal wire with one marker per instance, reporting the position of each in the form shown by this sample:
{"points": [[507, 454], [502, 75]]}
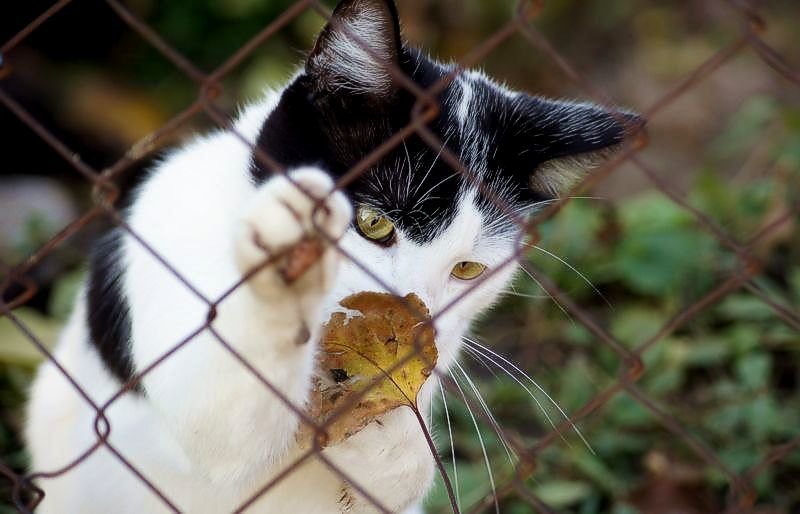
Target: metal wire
{"points": [[741, 498]]}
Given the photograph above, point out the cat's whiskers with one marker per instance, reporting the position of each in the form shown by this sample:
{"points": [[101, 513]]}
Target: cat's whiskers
{"points": [[454, 358], [480, 441], [428, 193], [491, 355], [560, 307], [480, 360], [525, 210], [428, 215], [433, 164], [552, 255], [564, 198], [452, 442], [410, 174], [571, 267], [478, 355], [485, 407], [523, 295]]}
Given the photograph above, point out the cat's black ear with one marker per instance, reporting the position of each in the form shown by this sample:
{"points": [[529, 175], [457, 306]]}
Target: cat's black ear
{"points": [[559, 141], [357, 48]]}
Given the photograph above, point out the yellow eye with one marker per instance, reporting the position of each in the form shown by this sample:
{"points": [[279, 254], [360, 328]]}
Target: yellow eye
{"points": [[373, 225], [467, 270]]}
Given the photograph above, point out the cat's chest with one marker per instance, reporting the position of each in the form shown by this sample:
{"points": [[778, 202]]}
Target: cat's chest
{"points": [[391, 456], [390, 459]]}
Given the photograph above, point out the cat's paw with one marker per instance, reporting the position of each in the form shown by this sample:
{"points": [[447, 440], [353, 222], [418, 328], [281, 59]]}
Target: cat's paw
{"points": [[293, 232]]}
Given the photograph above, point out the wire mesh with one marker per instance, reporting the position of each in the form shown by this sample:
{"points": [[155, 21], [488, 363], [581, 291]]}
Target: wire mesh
{"points": [[522, 24]]}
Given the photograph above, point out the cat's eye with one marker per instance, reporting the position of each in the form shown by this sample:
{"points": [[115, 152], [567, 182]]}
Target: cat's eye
{"points": [[467, 270], [373, 225]]}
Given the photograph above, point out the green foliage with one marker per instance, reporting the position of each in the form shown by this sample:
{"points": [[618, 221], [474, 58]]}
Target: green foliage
{"points": [[663, 252]]}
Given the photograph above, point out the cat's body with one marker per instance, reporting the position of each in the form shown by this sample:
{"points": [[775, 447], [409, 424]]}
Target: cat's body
{"points": [[201, 427], [141, 434]]}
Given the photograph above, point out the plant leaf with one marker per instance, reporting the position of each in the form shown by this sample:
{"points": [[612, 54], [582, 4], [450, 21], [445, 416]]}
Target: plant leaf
{"points": [[382, 350]]}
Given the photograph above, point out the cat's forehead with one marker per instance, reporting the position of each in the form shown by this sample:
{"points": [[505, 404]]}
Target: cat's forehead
{"points": [[476, 92], [420, 186], [471, 98]]}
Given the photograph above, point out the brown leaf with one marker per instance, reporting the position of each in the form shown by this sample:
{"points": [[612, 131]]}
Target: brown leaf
{"points": [[377, 355]]}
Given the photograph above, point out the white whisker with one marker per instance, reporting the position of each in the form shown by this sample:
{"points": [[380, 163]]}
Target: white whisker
{"points": [[429, 191], [564, 262], [556, 200], [523, 295], [435, 160], [480, 440], [475, 355], [452, 443], [561, 307], [492, 420], [475, 352], [410, 173], [570, 266], [488, 352]]}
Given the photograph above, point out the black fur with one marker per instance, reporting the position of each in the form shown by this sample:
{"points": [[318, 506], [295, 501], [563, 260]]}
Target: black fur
{"points": [[335, 131], [108, 313], [509, 139]]}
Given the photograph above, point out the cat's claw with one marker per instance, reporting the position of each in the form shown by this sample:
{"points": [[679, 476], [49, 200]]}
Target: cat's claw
{"points": [[282, 215]]}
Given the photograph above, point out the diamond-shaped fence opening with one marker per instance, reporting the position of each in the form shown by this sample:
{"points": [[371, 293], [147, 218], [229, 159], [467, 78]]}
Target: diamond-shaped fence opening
{"points": [[645, 359]]}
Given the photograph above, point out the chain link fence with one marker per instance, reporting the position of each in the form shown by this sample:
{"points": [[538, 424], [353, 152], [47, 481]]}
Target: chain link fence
{"points": [[741, 491]]}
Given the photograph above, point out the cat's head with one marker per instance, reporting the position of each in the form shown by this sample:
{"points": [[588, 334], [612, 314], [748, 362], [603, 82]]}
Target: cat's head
{"points": [[421, 225]]}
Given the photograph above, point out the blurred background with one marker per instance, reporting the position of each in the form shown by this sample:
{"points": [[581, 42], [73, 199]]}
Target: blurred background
{"points": [[729, 146]]}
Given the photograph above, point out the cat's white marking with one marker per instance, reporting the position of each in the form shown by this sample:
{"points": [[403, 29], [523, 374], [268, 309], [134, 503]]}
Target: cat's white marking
{"points": [[464, 102]]}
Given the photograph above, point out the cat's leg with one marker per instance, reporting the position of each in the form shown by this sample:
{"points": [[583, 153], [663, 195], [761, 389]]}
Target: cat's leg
{"points": [[228, 423]]}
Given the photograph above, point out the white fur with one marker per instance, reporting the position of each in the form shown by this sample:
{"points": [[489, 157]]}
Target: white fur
{"points": [[464, 103], [207, 433], [358, 52]]}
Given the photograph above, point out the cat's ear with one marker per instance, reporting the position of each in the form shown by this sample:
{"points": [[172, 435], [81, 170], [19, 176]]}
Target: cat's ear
{"points": [[563, 140], [357, 48]]}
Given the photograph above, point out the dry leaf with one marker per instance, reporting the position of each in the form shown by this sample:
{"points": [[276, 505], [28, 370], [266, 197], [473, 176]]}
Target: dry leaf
{"points": [[383, 345]]}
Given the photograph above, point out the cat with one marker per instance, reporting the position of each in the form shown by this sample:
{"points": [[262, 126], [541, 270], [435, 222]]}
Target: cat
{"points": [[199, 425]]}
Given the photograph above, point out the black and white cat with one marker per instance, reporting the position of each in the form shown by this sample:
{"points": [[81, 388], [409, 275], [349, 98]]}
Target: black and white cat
{"points": [[200, 426]]}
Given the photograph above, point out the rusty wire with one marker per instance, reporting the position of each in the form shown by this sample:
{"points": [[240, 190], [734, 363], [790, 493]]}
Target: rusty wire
{"points": [[26, 495]]}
